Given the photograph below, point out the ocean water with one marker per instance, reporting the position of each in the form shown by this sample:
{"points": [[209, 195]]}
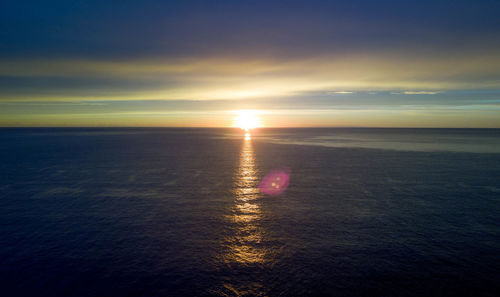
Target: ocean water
{"points": [[178, 212]]}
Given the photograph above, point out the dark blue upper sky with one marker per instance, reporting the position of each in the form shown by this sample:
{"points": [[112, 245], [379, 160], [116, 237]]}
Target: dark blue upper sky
{"points": [[255, 28]]}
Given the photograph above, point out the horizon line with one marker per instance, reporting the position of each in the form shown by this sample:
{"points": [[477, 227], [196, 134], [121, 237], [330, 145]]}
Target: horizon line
{"points": [[237, 128]]}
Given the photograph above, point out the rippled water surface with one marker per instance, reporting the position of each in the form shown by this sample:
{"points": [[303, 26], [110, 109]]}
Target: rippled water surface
{"points": [[178, 212]]}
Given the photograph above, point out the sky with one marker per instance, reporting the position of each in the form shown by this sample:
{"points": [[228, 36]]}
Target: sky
{"points": [[295, 63]]}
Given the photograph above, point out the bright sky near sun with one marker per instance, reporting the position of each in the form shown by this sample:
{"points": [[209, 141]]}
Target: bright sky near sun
{"points": [[299, 63], [247, 119]]}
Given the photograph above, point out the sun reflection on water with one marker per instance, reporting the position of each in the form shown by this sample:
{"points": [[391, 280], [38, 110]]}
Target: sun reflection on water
{"points": [[244, 244]]}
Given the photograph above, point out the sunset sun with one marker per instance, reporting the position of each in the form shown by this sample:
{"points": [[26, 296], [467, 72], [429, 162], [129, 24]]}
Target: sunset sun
{"points": [[247, 119]]}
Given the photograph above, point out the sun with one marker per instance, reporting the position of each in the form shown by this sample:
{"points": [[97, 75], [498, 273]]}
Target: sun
{"points": [[247, 119]]}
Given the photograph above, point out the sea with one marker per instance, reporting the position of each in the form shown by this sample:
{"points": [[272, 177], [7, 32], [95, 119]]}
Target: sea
{"points": [[182, 212]]}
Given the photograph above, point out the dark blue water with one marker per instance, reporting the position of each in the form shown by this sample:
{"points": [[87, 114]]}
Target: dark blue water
{"points": [[177, 212]]}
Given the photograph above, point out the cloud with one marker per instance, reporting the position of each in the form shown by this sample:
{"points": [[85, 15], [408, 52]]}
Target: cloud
{"points": [[417, 93], [339, 92], [218, 78]]}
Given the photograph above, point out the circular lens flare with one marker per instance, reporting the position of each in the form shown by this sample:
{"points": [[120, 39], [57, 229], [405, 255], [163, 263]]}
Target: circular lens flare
{"points": [[275, 182]]}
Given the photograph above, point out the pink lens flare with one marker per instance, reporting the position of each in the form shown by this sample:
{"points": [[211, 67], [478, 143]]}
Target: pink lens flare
{"points": [[275, 182]]}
